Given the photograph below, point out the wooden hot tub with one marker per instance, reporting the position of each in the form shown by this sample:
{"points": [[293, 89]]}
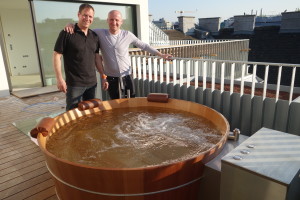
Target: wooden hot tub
{"points": [[175, 181]]}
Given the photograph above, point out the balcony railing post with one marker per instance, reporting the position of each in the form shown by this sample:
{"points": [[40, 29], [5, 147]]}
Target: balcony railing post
{"points": [[213, 76], [167, 72], [139, 67], [204, 74], [232, 78], [155, 69], [181, 72], [174, 72], [149, 61], [161, 70], [222, 76], [266, 81], [196, 73], [253, 81], [278, 83], [292, 85], [242, 80], [133, 64], [188, 73]]}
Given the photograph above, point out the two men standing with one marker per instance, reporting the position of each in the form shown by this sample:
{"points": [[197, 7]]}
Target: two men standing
{"points": [[114, 44]]}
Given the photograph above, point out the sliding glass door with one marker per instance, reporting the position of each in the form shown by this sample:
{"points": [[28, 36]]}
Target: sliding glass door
{"points": [[50, 17]]}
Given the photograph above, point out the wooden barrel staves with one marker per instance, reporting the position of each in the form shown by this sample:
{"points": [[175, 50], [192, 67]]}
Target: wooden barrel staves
{"points": [[175, 181]]}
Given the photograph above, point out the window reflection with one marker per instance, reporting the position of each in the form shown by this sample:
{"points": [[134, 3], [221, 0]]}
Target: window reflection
{"points": [[52, 16]]}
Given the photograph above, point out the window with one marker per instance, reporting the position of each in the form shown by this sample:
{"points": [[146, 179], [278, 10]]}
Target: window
{"points": [[50, 17]]}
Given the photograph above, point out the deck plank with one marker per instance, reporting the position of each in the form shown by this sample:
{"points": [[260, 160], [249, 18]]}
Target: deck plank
{"points": [[20, 163], [25, 178], [27, 184], [34, 192], [16, 172], [23, 173], [18, 158]]}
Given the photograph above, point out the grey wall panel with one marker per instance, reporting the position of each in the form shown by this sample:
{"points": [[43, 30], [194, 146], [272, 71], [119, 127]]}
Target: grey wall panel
{"points": [[164, 88], [225, 105], [245, 114], [170, 89], [268, 112], [207, 97], [139, 88], [183, 92], [199, 95], [177, 91], [157, 88], [235, 101], [146, 87], [152, 86], [281, 115], [191, 93], [216, 102], [256, 114], [294, 118]]}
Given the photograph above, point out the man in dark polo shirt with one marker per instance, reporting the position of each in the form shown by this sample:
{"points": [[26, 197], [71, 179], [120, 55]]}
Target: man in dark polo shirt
{"points": [[81, 55]]}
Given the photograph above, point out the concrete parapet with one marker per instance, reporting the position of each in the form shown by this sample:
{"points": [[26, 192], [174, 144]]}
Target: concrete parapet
{"points": [[290, 22], [244, 24], [210, 24], [187, 24]]}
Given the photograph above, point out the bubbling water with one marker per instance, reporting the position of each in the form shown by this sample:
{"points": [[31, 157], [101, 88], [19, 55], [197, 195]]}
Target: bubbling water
{"points": [[134, 137]]}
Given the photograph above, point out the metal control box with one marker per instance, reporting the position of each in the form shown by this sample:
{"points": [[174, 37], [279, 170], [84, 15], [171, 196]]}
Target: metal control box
{"points": [[264, 167]]}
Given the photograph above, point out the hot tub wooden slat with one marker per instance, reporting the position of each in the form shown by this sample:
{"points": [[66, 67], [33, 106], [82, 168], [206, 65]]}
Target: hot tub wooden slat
{"points": [[129, 181]]}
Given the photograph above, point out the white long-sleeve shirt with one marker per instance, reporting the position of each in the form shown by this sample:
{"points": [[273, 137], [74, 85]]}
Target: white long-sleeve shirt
{"points": [[114, 49]]}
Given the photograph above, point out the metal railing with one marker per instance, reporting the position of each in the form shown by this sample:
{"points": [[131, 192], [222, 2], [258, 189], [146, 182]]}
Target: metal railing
{"points": [[205, 49], [184, 42], [192, 71], [157, 35]]}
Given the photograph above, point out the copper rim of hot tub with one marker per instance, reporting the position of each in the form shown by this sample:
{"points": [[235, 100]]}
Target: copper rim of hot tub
{"points": [[172, 181]]}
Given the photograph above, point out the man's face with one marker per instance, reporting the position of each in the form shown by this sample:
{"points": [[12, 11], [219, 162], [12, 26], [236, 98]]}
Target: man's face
{"points": [[114, 21], [85, 18]]}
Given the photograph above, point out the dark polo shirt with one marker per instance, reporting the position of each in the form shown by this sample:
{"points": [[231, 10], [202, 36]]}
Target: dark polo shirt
{"points": [[79, 56]]}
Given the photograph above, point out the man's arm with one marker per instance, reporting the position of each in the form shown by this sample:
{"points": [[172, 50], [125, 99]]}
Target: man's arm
{"points": [[61, 84], [100, 69], [146, 47]]}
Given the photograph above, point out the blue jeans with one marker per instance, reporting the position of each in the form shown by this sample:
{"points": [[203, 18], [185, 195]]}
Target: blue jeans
{"points": [[75, 95]]}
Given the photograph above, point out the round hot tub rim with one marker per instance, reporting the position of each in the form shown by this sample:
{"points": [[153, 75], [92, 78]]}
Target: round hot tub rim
{"points": [[197, 161]]}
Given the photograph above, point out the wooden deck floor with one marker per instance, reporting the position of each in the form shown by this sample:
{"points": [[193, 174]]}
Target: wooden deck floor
{"points": [[23, 174]]}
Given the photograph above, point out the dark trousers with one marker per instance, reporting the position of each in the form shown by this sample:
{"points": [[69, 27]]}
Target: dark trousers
{"points": [[118, 87], [75, 95]]}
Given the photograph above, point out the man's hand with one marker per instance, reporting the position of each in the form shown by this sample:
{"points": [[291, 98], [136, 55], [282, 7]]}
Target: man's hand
{"points": [[167, 56], [69, 28], [104, 84], [61, 85]]}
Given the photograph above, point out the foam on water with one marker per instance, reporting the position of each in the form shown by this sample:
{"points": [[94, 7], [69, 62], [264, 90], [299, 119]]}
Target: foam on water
{"points": [[133, 137]]}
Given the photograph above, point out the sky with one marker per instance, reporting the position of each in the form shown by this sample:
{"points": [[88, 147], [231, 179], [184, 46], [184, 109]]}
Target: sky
{"points": [[218, 8]]}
